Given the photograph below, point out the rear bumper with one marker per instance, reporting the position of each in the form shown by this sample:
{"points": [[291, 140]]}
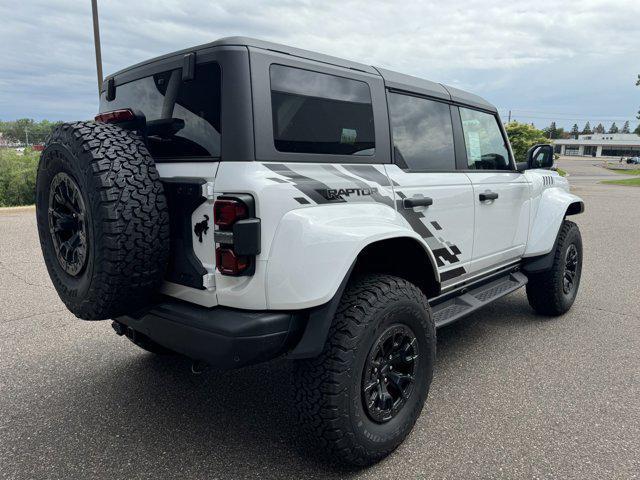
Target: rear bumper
{"points": [[223, 337]]}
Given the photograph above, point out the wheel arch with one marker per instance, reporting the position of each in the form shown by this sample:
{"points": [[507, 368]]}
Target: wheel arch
{"points": [[402, 256], [553, 206], [575, 208], [314, 248]]}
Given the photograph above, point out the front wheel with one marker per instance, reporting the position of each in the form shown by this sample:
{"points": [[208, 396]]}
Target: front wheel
{"points": [[553, 292], [361, 397]]}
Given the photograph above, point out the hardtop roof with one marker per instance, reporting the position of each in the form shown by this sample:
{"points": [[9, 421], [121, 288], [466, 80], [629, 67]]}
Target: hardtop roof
{"points": [[392, 79]]}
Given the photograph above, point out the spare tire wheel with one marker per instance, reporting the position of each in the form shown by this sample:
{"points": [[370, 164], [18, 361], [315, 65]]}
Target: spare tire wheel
{"points": [[102, 219]]}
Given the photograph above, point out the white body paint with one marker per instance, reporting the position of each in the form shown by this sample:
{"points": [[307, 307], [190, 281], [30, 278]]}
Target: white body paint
{"points": [[308, 248]]}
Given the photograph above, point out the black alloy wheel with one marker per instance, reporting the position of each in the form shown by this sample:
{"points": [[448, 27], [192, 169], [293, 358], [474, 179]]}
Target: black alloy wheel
{"points": [[67, 224], [570, 269], [389, 374]]}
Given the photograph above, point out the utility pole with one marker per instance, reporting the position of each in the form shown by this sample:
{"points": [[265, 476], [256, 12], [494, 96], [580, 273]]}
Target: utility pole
{"points": [[509, 117], [96, 41], [26, 135]]}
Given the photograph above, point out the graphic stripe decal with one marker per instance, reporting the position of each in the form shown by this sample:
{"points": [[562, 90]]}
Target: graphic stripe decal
{"points": [[453, 273], [376, 196], [310, 187], [317, 191], [371, 173], [443, 254]]}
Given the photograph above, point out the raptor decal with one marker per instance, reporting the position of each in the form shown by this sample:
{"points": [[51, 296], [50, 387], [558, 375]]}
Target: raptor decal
{"points": [[444, 252]]}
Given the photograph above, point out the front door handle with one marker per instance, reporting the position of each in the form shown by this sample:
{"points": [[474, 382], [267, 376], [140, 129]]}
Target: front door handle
{"points": [[417, 202], [488, 196]]}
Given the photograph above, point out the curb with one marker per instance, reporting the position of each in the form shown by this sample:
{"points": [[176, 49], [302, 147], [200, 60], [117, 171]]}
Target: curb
{"points": [[25, 208]]}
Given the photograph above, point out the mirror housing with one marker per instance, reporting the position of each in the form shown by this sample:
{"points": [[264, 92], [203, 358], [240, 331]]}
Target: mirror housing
{"points": [[540, 156]]}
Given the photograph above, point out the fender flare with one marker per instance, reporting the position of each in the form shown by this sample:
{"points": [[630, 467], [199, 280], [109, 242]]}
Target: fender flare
{"points": [[553, 206], [544, 262], [319, 318], [314, 248], [361, 229]]}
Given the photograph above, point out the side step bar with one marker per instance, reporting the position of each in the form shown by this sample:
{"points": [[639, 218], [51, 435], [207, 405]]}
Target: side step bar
{"points": [[476, 297]]}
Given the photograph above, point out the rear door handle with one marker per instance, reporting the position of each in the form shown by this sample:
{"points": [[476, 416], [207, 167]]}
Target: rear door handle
{"points": [[488, 196], [417, 202]]}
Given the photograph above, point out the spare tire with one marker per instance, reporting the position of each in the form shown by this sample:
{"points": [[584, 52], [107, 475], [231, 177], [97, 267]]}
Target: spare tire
{"points": [[102, 218]]}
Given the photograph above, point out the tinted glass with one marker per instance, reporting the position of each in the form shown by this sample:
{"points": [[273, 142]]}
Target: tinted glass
{"points": [[319, 113], [183, 118], [486, 149], [422, 133]]}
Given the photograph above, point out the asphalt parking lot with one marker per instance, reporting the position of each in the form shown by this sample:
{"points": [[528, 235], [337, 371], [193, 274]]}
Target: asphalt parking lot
{"points": [[514, 395]]}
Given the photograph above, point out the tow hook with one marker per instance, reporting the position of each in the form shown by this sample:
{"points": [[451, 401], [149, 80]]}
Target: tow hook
{"points": [[119, 328]]}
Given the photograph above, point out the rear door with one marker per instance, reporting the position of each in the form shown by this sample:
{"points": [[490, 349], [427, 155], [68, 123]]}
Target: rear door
{"points": [[435, 198], [500, 193]]}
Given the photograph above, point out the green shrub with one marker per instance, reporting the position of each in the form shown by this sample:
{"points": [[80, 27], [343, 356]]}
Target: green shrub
{"points": [[18, 177], [523, 136]]}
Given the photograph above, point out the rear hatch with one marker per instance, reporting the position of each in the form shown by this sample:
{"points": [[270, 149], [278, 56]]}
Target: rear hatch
{"points": [[177, 109]]}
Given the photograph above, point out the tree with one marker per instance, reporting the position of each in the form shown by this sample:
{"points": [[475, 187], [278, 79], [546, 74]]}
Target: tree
{"points": [[587, 129], [575, 131], [522, 137], [625, 127], [599, 128], [551, 131], [614, 128], [27, 130], [637, 130]]}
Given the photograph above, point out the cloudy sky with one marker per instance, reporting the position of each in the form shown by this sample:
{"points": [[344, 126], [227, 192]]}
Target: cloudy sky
{"points": [[566, 60]]}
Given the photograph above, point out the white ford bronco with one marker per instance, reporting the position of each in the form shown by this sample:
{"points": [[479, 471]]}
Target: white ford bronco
{"points": [[243, 200]]}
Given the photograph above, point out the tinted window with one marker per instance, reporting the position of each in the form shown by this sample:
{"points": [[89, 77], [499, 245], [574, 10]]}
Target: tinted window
{"points": [[319, 113], [422, 133], [486, 149], [183, 118]]}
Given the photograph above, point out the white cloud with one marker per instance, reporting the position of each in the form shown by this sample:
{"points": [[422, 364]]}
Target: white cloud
{"points": [[550, 56]]}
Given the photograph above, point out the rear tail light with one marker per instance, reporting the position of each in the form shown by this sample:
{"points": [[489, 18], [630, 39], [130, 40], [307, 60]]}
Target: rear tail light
{"points": [[229, 263], [237, 234], [226, 212], [116, 116]]}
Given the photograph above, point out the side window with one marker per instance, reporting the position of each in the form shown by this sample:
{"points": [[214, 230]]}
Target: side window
{"points": [[422, 133], [320, 113], [486, 149]]}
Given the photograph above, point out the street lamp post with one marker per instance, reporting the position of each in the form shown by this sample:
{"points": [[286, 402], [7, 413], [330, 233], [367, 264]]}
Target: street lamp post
{"points": [[96, 41]]}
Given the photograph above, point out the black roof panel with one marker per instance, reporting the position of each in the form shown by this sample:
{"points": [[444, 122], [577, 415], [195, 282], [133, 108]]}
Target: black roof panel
{"points": [[392, 79]]}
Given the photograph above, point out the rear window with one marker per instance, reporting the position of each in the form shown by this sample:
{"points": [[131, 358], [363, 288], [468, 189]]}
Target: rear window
{"points": [[183, 117], [320, 113]]}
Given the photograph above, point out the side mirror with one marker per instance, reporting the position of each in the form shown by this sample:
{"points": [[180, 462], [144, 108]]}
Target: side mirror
{"points": [[540, 156]]}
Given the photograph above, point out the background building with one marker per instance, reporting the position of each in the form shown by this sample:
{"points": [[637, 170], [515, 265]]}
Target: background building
{"points": [[600, 145]]}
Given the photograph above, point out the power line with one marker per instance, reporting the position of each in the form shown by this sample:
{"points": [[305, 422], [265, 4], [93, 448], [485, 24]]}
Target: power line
{"points": [[515, 116], [564, 116], [526, 110]]}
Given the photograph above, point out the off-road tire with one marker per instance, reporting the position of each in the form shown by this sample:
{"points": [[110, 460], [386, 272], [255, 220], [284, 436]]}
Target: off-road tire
{"points": [[328, 387], [126, 219], [545, 290]]}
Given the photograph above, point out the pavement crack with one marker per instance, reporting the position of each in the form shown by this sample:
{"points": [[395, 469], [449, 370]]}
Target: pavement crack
{"points": [[27, 317], [15, 275], [611, 311]]}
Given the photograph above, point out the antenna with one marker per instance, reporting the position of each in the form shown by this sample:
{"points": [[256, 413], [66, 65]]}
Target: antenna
{"points": [[96, 41]]}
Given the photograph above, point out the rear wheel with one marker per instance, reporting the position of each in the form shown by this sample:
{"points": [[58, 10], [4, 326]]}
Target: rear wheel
{"points": [[553, 292], [361, 397]]}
